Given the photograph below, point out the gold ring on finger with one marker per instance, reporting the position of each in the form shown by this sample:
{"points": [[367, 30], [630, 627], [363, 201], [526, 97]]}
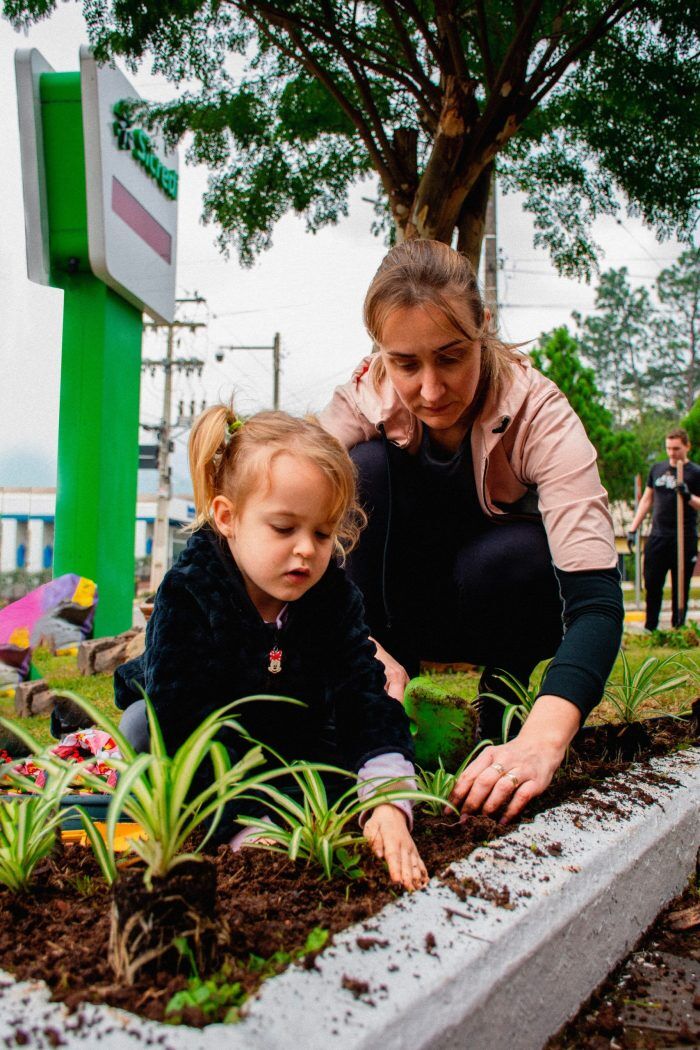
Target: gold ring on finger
{"points": [[501, 770], [512, 776]]}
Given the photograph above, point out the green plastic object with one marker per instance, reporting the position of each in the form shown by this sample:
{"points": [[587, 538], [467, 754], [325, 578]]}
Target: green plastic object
{"points": [[443, 724], [100, 380]]}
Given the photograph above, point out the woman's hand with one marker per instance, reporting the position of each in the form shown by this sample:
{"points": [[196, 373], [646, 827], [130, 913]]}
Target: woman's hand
{"points": [[388, 835], [502, 780], [394, 674]]}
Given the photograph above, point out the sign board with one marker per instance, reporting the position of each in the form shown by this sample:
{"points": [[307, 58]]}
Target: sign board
{"points": [[148, 457], [29, 66], [131, 185]]}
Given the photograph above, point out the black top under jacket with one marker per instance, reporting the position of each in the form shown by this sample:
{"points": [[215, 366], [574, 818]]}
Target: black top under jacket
{"points": [[207, 645]]}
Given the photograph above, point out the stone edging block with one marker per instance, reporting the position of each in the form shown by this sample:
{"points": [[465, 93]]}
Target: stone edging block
{"points": [[437, 971]]}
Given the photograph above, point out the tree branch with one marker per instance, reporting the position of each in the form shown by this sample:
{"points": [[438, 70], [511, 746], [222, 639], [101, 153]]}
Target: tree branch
{"points": [[423, 28], [285, 19], [614, 14], [408, 49], [306, 58], [483, 38]]}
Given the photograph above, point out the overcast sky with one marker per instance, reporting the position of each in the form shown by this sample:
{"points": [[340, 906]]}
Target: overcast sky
{"points": [[309, 288]]}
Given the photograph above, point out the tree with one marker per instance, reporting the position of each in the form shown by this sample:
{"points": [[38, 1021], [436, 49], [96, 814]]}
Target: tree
{"points": [[678, 289], [621, 342], [619, 454], [574, 101]]}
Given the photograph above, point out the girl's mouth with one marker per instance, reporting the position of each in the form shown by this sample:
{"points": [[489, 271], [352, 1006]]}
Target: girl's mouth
{"points": [[298, 575]]}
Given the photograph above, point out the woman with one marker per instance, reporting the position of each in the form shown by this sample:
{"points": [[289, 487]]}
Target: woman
{"points": [[489, 538]]}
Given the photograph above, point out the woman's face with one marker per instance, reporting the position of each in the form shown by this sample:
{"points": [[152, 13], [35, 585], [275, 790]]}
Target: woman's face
{"points": [[433, 367]]}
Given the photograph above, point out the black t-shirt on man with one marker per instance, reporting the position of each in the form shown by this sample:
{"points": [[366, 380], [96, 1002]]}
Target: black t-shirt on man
{"points": [[662, 479]]}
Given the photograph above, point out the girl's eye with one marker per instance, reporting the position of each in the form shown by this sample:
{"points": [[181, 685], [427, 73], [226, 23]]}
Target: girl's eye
{"points": [[283, 530]]}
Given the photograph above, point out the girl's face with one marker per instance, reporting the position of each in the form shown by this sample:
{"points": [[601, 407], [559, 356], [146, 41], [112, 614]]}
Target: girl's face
{"points": [[433, 368], [281, 538]]}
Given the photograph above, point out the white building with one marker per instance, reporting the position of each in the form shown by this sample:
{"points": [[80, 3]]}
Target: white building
{"points": [[27, 527]]}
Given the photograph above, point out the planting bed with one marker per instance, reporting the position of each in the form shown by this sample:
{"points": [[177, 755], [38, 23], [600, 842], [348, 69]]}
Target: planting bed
{"points": [[453, 966]]}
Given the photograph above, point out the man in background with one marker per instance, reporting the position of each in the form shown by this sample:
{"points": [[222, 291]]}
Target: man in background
{"points": [[661, 551]]}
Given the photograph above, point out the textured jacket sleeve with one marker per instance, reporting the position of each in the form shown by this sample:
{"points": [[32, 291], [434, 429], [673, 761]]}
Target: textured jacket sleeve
{"points": [[368, 721], [343, 418], [181, 665], [556, 456]]}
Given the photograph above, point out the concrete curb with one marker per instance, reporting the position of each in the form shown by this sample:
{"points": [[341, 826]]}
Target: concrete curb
{"points": [[449, 972]]}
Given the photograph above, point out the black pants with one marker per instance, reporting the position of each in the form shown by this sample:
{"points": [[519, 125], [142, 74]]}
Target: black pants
{"points": [[660, 558], [437, 588]]}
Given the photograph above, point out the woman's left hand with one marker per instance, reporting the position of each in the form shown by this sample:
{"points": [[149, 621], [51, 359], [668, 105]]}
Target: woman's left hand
{"points": [[503, 779]]}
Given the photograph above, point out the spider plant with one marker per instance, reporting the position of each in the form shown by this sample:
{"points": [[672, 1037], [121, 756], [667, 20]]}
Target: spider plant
{"points": [[439, 783], [521, 708], [651, 679], [159, 792], [316, 831], [28, 824]]}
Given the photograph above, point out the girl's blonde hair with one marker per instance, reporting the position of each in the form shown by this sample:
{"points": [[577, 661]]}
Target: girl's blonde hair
{"points": [[229, 456], [421, 273]]}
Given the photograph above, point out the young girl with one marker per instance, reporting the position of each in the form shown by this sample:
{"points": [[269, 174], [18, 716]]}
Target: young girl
{"points": [[257, 603]]}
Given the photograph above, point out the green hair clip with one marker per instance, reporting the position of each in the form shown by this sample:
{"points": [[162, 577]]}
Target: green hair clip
{"points": [[231, 429]]}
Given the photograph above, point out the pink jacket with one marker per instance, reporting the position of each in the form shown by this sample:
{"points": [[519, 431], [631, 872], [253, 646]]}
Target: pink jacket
{"points": [[527, 442]]}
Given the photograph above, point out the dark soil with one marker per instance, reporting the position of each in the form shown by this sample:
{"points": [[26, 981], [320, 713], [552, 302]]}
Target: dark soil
{"points": [[266, 904], [652, 1001]]}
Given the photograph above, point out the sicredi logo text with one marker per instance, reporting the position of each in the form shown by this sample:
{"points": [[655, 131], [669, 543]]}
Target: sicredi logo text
{"points": [[139, 143]]}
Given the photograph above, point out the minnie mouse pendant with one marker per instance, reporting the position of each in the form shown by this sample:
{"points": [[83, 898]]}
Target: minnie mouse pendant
{"points": [[275, 664]]}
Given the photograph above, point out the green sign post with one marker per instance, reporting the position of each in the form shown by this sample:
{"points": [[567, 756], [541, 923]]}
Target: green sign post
{"points": [[100, 379], [94, 229]]}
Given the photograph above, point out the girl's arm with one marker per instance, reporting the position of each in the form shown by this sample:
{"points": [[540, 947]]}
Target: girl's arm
{"points": [[182, 665]]}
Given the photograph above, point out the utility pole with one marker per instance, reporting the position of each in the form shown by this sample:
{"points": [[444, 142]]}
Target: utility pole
{"points": [[491, 253], [169, 364], [276, 363]]}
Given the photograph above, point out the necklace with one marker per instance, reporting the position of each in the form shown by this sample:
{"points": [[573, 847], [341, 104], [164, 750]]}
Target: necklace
{"points": [[275, 658]]}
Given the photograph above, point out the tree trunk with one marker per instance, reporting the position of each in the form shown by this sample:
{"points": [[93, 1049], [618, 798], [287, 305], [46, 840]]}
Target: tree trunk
{"points": [[472, 218]]}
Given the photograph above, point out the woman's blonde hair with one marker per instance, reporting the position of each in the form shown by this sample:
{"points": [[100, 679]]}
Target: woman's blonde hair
{"points": [[422, 273], [228, 456]]}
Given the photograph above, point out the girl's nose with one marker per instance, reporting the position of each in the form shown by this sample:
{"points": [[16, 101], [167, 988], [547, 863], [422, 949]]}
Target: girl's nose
{"points": [[304, 546]]}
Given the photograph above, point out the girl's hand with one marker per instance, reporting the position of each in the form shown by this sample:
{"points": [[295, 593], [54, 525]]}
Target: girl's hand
{"points": [[394, 674], [388, 835], [504, 779]]}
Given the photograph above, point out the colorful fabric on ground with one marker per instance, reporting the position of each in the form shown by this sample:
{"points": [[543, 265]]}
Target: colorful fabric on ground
{"points": [[77, 747], [62, 610]]}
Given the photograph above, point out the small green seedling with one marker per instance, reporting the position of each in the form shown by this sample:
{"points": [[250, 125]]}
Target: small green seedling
{"points": [[525, 701], [440, 784], [219, 998], [156, 791], [28, 825], [650, 680], [314, 830]]}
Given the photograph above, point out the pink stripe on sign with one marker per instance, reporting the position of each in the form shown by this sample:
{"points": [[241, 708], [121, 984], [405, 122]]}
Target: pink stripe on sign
{"points": [[125, 205]]}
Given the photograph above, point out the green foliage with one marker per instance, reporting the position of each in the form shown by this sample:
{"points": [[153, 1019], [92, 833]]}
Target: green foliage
{"points": [[159, 792], [315, 831], [558, 356], [28, 825], [691, 422], [439, 784], [524, 700], [293, 101], [650, 680], [218, 997], [685, 637], [678, 289]]}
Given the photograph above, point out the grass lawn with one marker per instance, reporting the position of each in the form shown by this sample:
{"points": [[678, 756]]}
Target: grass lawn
{"points": [[61, 672]]}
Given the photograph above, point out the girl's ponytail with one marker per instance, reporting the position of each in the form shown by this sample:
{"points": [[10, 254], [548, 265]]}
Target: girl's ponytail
{"points": [[208, 446]]}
